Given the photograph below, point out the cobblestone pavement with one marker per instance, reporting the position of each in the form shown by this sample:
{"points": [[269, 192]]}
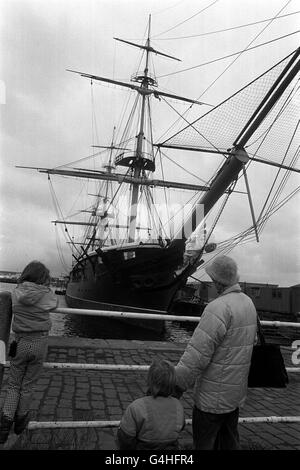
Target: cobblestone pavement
{"points": [[82, 395]]}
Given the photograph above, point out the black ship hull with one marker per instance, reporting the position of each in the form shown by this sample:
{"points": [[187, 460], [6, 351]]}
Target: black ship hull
{"points": [[140, 278]]}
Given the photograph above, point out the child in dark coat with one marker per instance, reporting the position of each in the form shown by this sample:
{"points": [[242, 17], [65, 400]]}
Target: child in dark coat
{"points": [[153, 422], [32, 300]]}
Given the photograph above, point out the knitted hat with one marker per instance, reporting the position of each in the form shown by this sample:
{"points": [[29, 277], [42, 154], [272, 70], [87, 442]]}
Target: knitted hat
{"points": [[223, 269]]}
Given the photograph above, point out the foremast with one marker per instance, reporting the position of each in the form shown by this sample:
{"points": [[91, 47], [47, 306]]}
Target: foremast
{"points": [[139, 161]]}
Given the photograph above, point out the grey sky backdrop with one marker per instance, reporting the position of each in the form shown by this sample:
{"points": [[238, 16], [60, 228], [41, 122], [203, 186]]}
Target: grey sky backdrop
{"points": [[47, 115]]}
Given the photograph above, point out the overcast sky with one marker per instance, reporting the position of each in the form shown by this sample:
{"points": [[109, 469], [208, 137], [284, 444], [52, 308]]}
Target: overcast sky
{"points": [[47, 118]]}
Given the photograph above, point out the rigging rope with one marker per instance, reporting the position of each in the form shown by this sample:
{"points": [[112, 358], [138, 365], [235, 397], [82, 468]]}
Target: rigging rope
{"points": [[60, 252], [215, 122], [280, 112], [187, 19], [230, 189], [58, 211], [165, 189], [282, 183], [195, 195], [241, 238], [149, 196], [230, 55], [181, 167], [227, 29], [93, 117], [168, 8], [245, 49], [80, 160], [221, 209], [192, 126], [112, 200], [245, 236], [84, 185]]}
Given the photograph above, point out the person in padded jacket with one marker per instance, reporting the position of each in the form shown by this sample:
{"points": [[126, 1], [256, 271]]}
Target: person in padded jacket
{"points": [[32, 300], [217, 359]]}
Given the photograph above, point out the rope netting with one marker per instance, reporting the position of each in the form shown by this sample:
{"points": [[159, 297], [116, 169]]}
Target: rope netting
{"points": [[218, 129]]}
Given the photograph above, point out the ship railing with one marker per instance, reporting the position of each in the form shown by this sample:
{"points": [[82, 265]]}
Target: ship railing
{"points": [[129, 153], [140, 77], [5, 317]]}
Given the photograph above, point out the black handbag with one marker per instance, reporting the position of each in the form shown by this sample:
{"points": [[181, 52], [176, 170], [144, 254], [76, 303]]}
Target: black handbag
{"points": [[13, 349], [267, 367]]}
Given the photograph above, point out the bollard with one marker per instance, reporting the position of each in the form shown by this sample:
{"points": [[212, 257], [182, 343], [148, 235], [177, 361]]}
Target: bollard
{"points": [[5, 324]]}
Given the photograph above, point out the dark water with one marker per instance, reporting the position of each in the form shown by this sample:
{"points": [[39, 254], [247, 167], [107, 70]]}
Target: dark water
{"points": [[107, 328]]}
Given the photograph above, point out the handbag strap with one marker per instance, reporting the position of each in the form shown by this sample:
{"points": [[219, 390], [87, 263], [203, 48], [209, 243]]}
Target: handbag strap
{"points": [[260, 332]]}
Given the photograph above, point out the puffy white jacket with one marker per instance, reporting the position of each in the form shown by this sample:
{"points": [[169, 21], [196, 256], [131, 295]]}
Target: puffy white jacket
{"points": [[217, 359]]}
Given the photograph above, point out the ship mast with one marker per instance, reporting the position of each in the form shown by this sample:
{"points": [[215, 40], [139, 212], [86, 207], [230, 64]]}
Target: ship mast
{"points": [[108, 167], [138, 160]]}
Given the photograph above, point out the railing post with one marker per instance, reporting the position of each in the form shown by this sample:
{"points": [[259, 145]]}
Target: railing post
{"points": [[5, 324]]}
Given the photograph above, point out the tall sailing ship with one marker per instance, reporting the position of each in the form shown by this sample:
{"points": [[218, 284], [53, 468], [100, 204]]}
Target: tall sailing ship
{"points": [[135, 252]]}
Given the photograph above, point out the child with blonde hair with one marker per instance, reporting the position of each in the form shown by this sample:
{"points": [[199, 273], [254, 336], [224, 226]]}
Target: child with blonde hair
{"points": [[153, 422], [32, 300]]}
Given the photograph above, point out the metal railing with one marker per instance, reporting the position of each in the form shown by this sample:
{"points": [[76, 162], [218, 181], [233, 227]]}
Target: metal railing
{"points": [[114, 424], [113, 367], [155, 316]]}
